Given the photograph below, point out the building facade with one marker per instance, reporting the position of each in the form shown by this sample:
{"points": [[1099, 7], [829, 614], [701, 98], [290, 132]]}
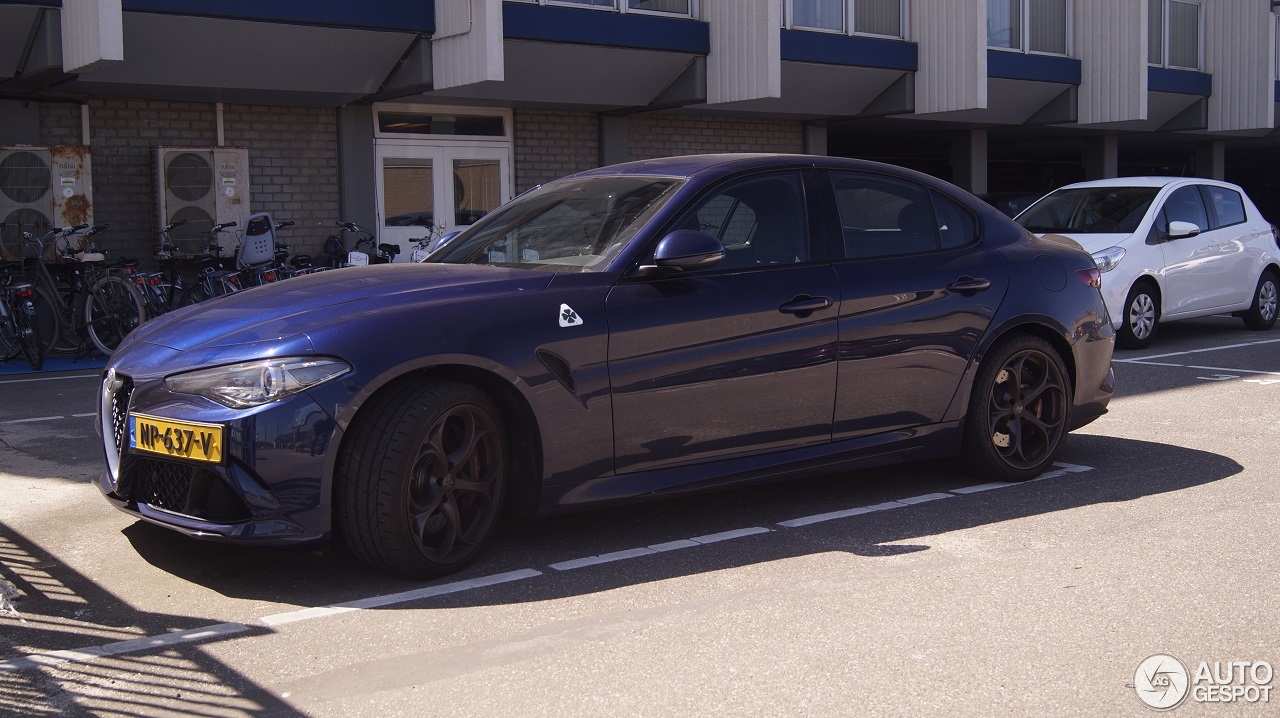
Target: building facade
{"points": [[397, 114]]}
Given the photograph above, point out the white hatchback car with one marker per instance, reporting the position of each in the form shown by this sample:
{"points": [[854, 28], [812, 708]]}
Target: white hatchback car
{"points": [[1169, 248]]}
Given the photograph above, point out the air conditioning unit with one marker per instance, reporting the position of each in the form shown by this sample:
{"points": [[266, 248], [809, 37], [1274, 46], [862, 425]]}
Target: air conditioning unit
{"points": [[204, 186], [43, 186]]}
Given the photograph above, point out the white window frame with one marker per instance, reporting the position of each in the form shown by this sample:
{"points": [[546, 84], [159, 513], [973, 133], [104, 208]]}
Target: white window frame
{"points": [[788, 21], [1164, 40], [619, 6], [1024, 32], [506, 115]]}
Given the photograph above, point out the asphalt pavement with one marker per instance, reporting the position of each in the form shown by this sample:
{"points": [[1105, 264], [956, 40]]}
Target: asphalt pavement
{"points": [[908, 591]]}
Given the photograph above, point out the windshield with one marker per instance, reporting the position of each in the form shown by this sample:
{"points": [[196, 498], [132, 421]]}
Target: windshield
{"points": [[1090, 210], [571, 225]]}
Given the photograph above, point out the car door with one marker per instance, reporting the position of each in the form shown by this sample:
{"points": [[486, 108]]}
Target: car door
{"points": [[734, 359], [1192, 265], [1238, 257], [918, 292]]}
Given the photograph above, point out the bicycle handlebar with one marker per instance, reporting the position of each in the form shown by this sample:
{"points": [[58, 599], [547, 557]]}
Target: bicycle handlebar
{"points": [[282, 225], [173, 225]]}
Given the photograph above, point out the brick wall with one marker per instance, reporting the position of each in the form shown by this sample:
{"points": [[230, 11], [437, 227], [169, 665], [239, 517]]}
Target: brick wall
{"points": [[654, 135], [293, 162], [551, 144]]}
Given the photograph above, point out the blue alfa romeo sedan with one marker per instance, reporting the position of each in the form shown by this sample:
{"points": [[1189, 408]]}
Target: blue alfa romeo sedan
{"points": [[636, 331]]}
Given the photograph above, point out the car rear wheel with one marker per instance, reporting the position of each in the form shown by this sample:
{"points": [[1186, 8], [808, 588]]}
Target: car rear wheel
{"points": [[422, 476], [1017, 421], [1141, 317], [1262, 314]]}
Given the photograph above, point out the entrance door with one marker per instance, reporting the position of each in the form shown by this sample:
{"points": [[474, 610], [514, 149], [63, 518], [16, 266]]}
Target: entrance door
{"points": [[445, 186]]}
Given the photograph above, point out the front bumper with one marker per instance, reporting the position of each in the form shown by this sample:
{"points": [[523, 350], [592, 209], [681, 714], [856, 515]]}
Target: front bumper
{"points": [[268, 490]]}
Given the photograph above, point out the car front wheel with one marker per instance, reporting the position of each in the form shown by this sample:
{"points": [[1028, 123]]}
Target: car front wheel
{"points": [[421, 476], [1141, 317], [1017, 421], [1262, 314]]}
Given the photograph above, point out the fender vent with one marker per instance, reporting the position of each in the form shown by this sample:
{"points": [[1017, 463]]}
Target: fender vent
{"points": [[558, 367]]}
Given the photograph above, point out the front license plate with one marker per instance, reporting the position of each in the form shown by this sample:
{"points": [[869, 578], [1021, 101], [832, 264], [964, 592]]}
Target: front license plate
{"points": [[177, 439]]}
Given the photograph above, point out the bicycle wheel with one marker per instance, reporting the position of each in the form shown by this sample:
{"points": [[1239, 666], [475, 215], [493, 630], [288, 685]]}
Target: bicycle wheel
{"points": [[114, 308], [8, 336], [193, 295], [29, 338], [46, 319]]}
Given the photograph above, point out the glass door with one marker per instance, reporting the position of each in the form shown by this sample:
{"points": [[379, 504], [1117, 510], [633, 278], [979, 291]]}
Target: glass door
{"points": [[442, 187]]}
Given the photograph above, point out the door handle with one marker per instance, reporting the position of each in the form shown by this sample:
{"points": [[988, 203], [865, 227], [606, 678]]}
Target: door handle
{"points": [[804, 305], [966, 285]]}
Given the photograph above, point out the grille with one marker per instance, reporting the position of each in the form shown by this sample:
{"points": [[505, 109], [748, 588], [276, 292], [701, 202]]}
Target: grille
{"points": [[120, 414], [164, 485]]}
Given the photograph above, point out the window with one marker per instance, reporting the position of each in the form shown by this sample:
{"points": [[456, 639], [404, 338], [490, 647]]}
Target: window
{"points": [[1040, 26], [1186, 205], [1090, 210], [421, 123], [681, 8], [859, 17], [883, 217], [1174, 33], [760, 220], [1227, 205]]}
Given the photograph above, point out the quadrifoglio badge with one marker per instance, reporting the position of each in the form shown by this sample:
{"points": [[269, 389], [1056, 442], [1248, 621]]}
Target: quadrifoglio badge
{"points": [[1163, 682]]}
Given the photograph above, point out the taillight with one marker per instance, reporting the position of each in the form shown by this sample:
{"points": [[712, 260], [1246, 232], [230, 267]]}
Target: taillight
{"points": [[155, 281], [25, 293], [269, 276], [1091, 277]]}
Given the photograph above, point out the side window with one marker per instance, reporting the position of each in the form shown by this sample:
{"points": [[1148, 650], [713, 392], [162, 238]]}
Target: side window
{"points": [[1227, 205], [955, 226], [760, 220], [882, 217], [1185, 205]]}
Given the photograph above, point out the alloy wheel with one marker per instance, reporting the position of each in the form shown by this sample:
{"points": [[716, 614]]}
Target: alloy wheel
{"points": [[1028, 409], [1142, 315]]}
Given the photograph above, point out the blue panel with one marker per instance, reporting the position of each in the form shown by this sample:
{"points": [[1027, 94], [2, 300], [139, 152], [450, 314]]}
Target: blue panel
{"points": [[580, 26], [407, 15], [1037, 68], [1181, 82], [831, 49]]}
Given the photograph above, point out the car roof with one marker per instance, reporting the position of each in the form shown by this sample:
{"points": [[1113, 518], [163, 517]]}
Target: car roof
{"points": [[1149, 181]]}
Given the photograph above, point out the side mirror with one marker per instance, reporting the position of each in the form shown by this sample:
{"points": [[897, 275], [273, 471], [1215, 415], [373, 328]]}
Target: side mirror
{"points": [[1182, 230], [686, 249]]}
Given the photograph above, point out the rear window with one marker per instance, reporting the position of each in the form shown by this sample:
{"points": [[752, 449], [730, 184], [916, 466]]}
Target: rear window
{"points": [[1090, 210]]}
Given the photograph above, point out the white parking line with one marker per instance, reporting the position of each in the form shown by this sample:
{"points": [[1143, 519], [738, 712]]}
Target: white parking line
{"points": [[81, 655], [33, 419], [81, 416], [1198, 351], [1237, 371], [50, 378], [394, 598], [91, 653]]}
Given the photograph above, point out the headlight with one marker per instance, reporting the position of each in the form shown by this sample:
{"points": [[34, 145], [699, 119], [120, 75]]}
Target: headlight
{"points": [[254, 383], [1108, 258]]}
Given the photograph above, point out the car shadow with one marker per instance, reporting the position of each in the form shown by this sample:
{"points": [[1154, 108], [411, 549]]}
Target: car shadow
{"points": [[1106, 470]]}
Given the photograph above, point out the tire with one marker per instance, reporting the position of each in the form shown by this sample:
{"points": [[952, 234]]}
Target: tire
{"points": [[193, 295], [1018, 412], [114, 308], [29, 339], [421, 478], [1141, 317], [1261, 315]]}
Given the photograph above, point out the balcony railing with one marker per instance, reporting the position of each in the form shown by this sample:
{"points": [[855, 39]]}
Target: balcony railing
{"points": [[677, 8]]}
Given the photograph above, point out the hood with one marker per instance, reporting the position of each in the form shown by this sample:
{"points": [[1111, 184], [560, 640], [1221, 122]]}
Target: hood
{"points": [[293, 307], [1091, 242]]}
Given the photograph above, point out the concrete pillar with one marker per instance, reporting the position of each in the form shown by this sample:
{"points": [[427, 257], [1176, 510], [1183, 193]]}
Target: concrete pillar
{"points": [[1102, 157], [1211, 160], [357, 166], [815, 138], [612, 140], [969, 161]]}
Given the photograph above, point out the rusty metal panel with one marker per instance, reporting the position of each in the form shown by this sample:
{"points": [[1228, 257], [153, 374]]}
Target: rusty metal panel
{"points": [[72, 169]]}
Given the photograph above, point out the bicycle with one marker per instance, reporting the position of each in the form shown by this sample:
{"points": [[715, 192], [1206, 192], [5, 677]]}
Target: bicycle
{"points": [[382, 253], [91, 306], [19, 331], [213, 279]]}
